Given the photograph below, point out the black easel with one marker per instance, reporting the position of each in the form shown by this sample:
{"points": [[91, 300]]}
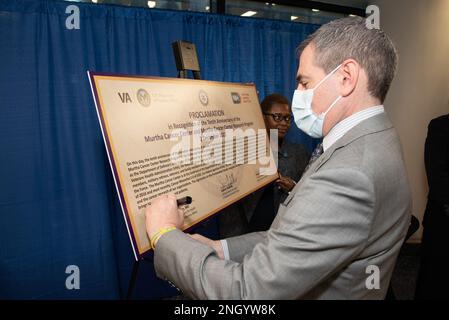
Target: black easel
{"points": [[133, 279]]}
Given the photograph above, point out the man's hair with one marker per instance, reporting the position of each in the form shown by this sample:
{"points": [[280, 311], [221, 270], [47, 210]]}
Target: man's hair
{"points": [[271, 99], [348, 38]]}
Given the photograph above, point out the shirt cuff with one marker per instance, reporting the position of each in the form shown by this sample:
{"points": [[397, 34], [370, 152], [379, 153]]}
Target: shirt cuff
{"points": [[224, 245]]}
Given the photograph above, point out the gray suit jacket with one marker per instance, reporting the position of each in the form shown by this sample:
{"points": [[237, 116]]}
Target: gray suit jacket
{"points": [[350, 210]]}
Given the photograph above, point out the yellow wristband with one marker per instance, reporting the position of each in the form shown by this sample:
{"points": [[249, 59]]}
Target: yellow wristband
{"points": [[158, 234]]}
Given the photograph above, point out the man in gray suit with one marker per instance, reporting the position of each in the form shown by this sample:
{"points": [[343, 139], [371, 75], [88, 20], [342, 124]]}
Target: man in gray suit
{"points": [[338, 233]]}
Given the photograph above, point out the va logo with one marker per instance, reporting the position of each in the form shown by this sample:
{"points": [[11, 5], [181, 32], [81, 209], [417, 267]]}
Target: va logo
{"points": [[73, 280], [143, 97], [72, 21], [372, 17], [373, 280], [124, 97]]}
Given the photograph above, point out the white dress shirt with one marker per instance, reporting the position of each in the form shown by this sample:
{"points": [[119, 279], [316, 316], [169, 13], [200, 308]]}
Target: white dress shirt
{"points": [[338, 131]]}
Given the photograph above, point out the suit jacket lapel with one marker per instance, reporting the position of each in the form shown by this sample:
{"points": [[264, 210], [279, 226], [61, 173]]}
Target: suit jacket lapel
{"points": [[375, 124], [372, 125]]}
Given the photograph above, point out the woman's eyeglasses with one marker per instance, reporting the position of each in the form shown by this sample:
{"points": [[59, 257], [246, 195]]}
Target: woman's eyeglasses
{"points": [[279, 117]]}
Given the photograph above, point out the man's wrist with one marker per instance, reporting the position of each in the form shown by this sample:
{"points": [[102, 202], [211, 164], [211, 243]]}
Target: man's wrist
{"points": [[156, 229], [223, 250], [160, 232]]}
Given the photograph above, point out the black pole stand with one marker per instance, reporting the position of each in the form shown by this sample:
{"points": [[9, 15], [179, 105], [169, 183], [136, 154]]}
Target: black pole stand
{"points": [[133, 278]]}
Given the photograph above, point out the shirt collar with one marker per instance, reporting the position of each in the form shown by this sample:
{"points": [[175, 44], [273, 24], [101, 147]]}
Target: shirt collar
{"points": [[341, 128]]}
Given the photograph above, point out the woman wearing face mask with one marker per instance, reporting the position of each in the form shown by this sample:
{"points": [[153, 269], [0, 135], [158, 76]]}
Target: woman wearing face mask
{"points": [[257, 211]]}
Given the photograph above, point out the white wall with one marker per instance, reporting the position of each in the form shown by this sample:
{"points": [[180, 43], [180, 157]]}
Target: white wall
{"points": [[420, 91]]}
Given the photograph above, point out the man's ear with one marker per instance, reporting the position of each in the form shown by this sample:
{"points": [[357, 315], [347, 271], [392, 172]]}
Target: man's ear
{"points": [[349, 72]]}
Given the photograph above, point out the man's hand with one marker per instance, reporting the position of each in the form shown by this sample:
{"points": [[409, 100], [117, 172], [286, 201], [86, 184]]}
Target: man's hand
{"points": [[214, 244], [285, 183], [163, 212]]}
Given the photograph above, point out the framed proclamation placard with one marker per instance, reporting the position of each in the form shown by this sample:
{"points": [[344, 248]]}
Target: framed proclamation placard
{"points": [[195, 138]]}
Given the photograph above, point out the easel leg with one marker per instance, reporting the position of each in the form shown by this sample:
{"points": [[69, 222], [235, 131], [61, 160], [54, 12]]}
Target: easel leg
{"points": [[132, 280]]}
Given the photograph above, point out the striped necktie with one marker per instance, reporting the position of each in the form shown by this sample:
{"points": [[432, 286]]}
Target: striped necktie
{"points": [[315, 155]]}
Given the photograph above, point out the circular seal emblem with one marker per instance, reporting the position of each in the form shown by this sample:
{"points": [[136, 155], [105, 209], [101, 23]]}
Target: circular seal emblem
{"points": [[204, 99], [143, 97]]}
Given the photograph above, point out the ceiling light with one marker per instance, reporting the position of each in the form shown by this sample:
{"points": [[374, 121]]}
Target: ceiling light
{"points": [[248, 13], [293, 18], [151, 4], [207, 8], [315, 10]]}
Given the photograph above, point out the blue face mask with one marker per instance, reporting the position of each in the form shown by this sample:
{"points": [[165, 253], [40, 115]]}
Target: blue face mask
{"points": [[305, 118]]}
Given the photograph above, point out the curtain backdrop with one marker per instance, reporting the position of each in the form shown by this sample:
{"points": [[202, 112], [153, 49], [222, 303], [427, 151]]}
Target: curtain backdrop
{"points": [[58, 205]]}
